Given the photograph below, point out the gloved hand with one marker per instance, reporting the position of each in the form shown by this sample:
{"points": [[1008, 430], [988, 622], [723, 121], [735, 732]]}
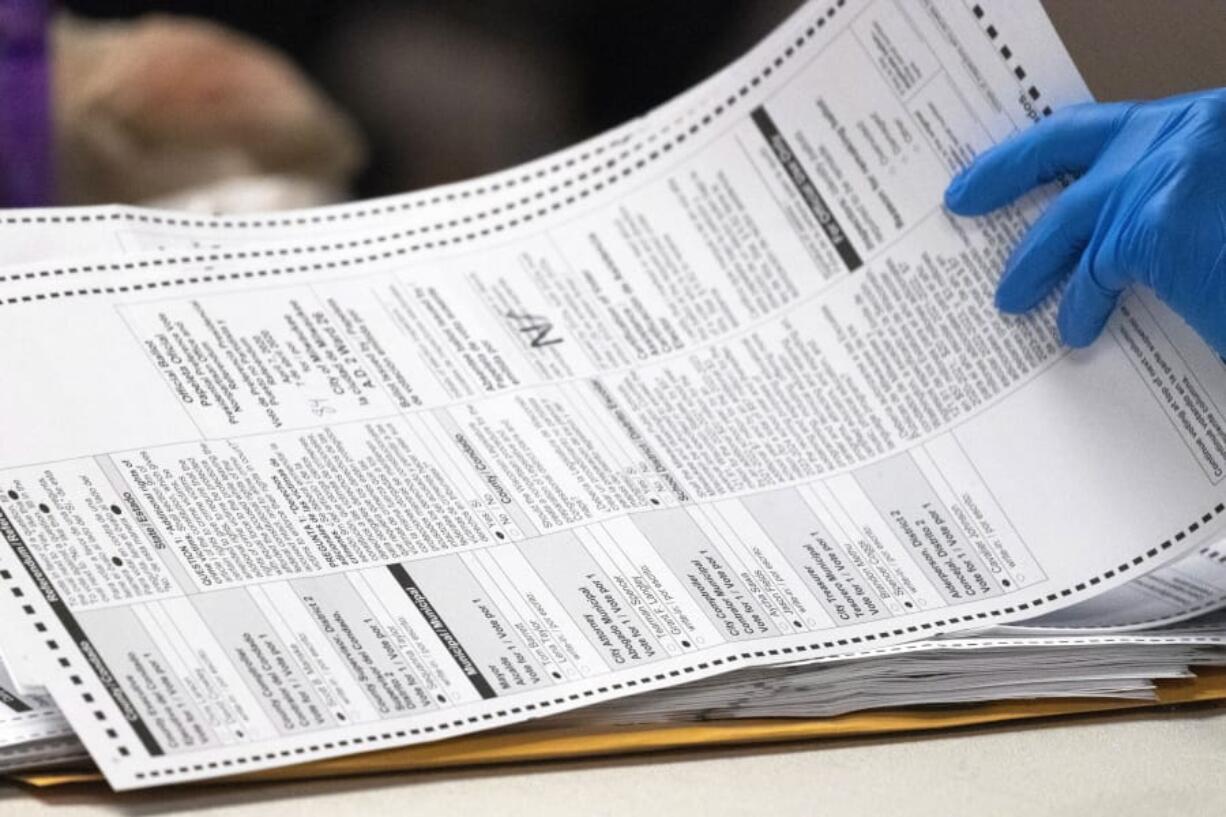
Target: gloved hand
{"points": [[1149, 207]]}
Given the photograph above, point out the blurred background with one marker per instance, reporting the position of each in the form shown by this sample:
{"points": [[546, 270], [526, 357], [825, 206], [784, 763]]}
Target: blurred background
{"points": [[265, 104], [439, 91]]}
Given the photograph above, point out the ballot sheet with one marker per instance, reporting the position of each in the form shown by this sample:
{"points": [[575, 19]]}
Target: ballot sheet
{"points": [[1188, 587], [33, 733], [37, 251], [304, 486], [26, 718]]}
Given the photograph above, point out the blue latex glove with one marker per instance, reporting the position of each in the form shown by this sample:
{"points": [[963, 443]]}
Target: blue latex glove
{"points": [[1149, 207]]}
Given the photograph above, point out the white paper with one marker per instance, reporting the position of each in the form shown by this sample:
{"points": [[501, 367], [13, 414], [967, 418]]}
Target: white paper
{"points": [[1191, 586], [26, 718], [749, 404], [1176, 592]]}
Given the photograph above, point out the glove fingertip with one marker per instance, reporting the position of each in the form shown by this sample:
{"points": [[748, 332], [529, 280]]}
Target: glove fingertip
{"points": [[1077, 332], [1011, 303], [1028, 278], [1017, 293], [976, 196], [959, 198]]}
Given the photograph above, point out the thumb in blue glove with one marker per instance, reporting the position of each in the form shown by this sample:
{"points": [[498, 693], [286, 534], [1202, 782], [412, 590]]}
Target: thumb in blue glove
{"points": [[1149, 207]]}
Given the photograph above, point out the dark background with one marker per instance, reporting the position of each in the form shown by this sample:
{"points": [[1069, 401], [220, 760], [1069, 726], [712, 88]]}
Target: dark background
{"points": [[448, 90]]}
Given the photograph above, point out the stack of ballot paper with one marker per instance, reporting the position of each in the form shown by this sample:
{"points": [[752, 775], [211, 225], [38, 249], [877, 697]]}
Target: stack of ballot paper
{"points": [[990, 667], [706, 419]]}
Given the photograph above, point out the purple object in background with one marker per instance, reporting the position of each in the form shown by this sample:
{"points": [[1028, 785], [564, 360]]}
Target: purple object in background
{"points": [[25, 104]]}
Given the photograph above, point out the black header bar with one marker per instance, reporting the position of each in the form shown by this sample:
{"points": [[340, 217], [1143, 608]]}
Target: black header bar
{"points": [[444, 634], [804, 185]]}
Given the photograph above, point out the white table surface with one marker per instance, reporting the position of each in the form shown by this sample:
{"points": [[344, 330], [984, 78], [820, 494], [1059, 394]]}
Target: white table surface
{"points": [[1174, 763]]}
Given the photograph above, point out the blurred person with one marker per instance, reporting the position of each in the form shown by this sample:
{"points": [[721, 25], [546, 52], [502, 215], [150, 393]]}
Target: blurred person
{"points": [[444, 91], [161, 109], [161, 105]]}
